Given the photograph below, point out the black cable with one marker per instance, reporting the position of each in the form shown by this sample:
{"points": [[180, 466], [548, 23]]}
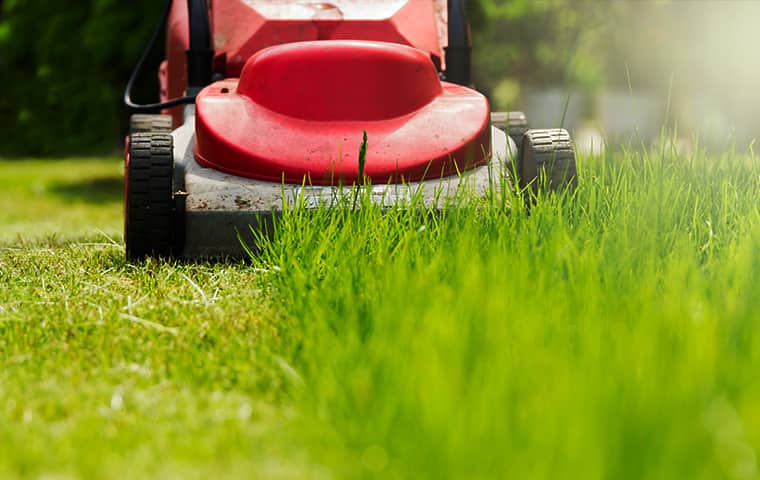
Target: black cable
{"points": [[152, 107]]}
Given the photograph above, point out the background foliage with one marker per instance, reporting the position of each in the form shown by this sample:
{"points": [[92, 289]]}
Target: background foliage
{"points": [[63, 64], [540, 43]]}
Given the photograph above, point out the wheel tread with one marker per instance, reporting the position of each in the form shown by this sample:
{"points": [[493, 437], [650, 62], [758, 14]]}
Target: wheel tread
{"points": [[149, 201], [148, 123], [547, 161]]}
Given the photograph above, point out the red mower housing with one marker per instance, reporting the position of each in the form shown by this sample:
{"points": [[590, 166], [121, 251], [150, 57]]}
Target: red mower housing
{"points": [[240, 28], [298, 112]]}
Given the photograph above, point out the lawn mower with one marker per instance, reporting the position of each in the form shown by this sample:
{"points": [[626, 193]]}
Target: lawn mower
{"points": [[267, 102]]}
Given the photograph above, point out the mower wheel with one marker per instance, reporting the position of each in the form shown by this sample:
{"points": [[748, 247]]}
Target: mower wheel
{"points": [[148, 198], [514, 124], [547, 160], [143, 123]]}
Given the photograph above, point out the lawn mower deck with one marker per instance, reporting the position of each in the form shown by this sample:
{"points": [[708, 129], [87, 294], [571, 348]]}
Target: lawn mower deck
{"points": [[221, 208], [308, 122]]}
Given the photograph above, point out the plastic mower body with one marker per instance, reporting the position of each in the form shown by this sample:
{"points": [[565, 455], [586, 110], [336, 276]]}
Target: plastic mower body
{"points": [[268, 103]]}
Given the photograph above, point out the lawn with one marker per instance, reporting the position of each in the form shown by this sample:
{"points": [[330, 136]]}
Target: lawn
{"points": [[607, 334]]}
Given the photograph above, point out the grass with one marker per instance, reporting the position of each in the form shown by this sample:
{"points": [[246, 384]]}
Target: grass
{"points": [[611, 333]]}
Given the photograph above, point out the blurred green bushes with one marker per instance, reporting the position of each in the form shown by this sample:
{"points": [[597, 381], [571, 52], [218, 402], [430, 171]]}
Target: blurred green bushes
{"points": [[540, 43], [63, 65]]}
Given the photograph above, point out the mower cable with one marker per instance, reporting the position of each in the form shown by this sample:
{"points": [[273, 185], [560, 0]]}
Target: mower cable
{"points": [[152, 107]]}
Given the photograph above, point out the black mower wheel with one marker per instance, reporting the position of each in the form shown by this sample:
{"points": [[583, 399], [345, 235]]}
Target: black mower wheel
{"points": [[145, 123], [148, 197], [547, 160]]}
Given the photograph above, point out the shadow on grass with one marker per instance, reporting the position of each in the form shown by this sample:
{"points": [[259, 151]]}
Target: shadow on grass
{"points": [[91, 190]]}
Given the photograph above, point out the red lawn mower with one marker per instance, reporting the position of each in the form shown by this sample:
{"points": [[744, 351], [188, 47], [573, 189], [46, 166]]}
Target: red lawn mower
{"points": [[265, 102]]}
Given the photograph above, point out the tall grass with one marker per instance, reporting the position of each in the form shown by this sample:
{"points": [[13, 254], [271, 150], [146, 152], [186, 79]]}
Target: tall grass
{"points": [[610, 332]]}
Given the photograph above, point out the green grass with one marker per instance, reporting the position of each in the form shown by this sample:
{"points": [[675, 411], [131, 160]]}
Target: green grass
{"points": [[609, 334]]}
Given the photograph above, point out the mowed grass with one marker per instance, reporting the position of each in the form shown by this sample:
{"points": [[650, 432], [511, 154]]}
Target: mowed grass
{"points": [[611, 333]]}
